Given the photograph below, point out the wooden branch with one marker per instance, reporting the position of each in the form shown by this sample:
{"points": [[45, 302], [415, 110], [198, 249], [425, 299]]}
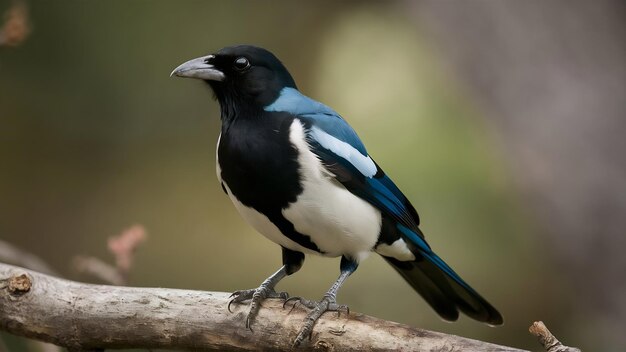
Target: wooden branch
{"points": [[547, 340], [11, 254], [91, 317]]}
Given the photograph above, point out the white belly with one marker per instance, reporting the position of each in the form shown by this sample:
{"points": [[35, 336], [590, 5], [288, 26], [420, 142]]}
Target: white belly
{"points": [[336, 220]]}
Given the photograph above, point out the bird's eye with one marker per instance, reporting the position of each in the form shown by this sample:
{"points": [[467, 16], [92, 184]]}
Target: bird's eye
{"points": [[241, 64]]}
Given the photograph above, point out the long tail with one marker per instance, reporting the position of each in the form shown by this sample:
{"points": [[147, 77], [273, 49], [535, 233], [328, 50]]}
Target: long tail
{"points": [[440, 286]]}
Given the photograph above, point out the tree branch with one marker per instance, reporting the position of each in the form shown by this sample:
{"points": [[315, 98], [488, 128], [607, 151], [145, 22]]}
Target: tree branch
{"points": [[547, 340], [11, 254], [90, 317]]}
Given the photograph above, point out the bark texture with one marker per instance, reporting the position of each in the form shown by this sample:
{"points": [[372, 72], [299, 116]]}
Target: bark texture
{"points": [[92, 317]]}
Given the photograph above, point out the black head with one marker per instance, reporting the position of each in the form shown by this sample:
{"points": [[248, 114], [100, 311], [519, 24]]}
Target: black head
{"points": [[243, 77]]}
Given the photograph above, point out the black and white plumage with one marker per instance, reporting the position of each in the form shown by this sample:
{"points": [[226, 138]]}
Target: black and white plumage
{"points": [[300, 175]]}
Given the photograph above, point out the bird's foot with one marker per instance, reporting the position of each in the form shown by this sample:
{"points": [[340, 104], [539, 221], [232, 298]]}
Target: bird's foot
{"points": [[256, 295], [328, 303]]}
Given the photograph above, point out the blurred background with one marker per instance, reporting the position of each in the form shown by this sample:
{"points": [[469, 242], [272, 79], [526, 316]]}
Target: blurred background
{"points": [[503, 122]]}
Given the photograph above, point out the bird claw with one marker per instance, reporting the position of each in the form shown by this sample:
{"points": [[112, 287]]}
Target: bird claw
{"points": [[295, 299], [238, 293], [256, 295], [299, 300], [239, 296], [340, 308], [328, 303]]}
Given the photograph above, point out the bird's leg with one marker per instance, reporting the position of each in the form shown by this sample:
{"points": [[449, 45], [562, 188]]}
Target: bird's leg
{"points": [[292, 262], [328, 302], [257, 295]]}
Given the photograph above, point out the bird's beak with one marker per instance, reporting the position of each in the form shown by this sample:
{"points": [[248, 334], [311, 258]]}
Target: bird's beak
{"points": [[199, 68]]}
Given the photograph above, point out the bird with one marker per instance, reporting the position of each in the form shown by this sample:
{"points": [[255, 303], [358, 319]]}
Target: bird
{"points": [[298, 173]]}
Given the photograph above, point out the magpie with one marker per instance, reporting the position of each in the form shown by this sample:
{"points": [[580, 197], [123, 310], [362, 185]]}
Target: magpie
{"points": [[299, 174]]}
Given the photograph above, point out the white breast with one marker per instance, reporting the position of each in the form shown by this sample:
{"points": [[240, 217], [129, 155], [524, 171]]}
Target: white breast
{"points": [[336, 220], [257, 220]]}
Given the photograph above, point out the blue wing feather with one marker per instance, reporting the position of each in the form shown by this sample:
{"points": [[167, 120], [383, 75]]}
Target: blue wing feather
{"points": [[425, 250], [344, 155], [342, 152], [322, 116]]}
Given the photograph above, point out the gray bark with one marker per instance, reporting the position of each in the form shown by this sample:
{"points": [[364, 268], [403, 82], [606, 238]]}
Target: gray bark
{"points": [[92, 317]]}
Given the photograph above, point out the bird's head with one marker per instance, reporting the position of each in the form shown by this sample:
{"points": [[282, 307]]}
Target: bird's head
{"points": [[242, 77]]}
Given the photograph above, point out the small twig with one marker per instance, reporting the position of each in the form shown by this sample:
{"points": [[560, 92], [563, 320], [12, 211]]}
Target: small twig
{"points": [[547, 340], [123, 248], [12, 255], [98, 269]]}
